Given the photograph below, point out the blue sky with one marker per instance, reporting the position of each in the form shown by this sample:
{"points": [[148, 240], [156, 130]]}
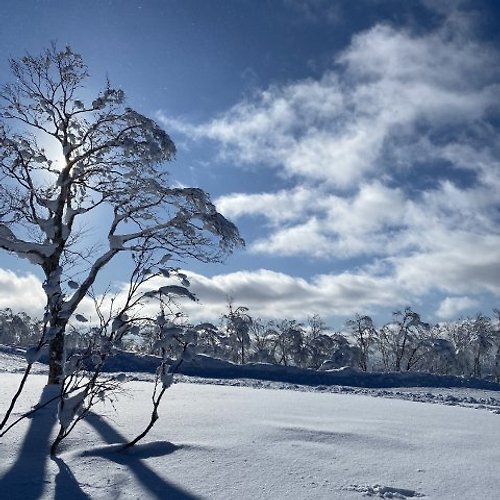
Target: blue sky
{"points": [[355, 144]]}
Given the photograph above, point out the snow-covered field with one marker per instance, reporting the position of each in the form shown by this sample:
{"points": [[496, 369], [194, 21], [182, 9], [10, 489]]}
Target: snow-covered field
{"points": [[238, 442]]}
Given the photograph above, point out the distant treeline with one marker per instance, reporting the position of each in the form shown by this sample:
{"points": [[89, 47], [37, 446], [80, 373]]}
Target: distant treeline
{"points": [[467, 347]]}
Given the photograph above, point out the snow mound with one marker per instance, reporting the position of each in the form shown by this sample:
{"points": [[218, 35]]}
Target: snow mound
{"points": [[14, 360], [205, 366]]}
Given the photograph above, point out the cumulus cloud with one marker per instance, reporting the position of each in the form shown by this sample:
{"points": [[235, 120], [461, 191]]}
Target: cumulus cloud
{"points": [[24, 293], [278, 207], [268, 294], [271, 294], [386, 85], [306, 238], [472, 266], [21, 293], [451, 307], [394, 152], [316, 222]]}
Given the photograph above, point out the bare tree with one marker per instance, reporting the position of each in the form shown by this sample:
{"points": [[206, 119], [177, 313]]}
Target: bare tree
{"points": [[237, 325], [364, 333], [402, 341], [288, 342], [318, 344], [65, 159], [482, 342]]}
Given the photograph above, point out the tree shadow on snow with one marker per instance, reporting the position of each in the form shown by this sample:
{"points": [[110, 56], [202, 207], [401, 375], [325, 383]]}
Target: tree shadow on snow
{"points": [[133, 459], [26, 478], [66, 485], [138, 452]]}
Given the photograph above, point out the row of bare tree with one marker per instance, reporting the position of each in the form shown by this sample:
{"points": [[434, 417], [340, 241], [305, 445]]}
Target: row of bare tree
{"points": [[466, 347]]}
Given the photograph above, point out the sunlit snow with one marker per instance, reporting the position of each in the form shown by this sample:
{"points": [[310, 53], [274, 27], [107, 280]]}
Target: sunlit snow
{"points": [[230, 441]]}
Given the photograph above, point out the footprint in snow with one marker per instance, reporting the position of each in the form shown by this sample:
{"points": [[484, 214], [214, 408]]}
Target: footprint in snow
{"points": [[385, 491]]}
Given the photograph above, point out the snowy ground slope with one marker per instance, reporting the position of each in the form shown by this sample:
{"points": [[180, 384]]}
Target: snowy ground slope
{"points": [[247, 439], [412, 386], [223, 442], [13, 360]]}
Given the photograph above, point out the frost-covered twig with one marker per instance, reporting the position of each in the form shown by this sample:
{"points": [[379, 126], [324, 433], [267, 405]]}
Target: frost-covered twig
{"points": [[164, 376], [85, 369], [35, 409]]}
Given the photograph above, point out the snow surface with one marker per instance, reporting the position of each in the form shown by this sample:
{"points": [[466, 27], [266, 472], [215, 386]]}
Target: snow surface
{"points": [[255, 439]]}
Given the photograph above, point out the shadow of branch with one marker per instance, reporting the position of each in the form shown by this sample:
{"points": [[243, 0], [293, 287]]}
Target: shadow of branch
{"points": [[133, 459], [66, 485], [26, 478]]}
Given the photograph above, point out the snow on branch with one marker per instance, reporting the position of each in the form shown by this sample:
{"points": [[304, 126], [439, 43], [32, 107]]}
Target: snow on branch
{"points": [[109, 157], [36, 253]]}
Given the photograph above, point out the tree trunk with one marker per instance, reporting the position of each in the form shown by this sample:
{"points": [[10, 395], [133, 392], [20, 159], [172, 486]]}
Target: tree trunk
{"points": [[56, 354], [477, 366], [242, 352]]}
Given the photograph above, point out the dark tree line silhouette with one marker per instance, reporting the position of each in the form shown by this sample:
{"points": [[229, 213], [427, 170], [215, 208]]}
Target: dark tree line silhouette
{"points": [[468, 347]]}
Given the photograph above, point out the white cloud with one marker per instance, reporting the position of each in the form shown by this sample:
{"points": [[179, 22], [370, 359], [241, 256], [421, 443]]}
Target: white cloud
{"points": [[316, 223], [270, 294], [451, 307], [384, 85], [21, 293], [396, 104], [306, 238], [24, 292], [443, 240], [279, 207], [462, 265]]}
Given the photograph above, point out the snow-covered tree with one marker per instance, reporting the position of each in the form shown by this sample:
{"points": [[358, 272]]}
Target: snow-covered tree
{"points": [[18, 328], [343, 353], [288, 342], [474, 343], [439, 356], [402, 342], [237, 323], [261, 337], [68, 161], [318, 344], [495, 327], [209, 340], [482, 342], [364, 333]]}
